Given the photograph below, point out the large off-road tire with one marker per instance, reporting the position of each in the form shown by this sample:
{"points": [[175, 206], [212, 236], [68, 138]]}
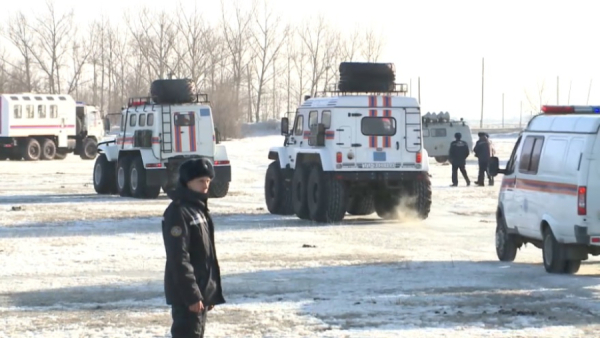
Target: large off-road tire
{"points": [[89, 149], [386, 204], [366, 77], [173, 91], [506, 244], [60, 154], [372, 69], [218, 189], [78, 125], [104, 175], [123, 186], [278, 196], [299, 185], [137, 178], [48, 149], [361, 204], [441, 159], [327, 198], [421, 190], [32, 150]]}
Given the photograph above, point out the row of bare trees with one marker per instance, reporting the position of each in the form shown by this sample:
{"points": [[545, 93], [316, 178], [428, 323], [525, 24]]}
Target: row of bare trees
{"points": [[253, 65]]}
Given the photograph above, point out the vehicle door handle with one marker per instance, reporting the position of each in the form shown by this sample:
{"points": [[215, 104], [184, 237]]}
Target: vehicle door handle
{"points": [[397, 145]]}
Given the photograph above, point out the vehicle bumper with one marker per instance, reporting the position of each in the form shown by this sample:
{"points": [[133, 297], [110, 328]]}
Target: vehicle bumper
{"points": [[380, 176], [583, 237]]}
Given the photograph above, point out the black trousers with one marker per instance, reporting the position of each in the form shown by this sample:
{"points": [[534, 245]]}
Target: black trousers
{"points": [[463, 171], [187, 324], [483, 171]]}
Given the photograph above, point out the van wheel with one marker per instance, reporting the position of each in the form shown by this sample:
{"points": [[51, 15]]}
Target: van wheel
{"points": [[299, 201], [361, 204], [48, 150], [506, 244], [104, 175], [32, 150], [123, 176], [420, 197], [572, 266], [278, 197], [551, 250], [441, 159]]}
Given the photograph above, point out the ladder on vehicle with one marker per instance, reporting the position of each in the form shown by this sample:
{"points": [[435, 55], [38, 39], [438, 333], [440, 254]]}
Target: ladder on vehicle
{"points": [[167, 135]]}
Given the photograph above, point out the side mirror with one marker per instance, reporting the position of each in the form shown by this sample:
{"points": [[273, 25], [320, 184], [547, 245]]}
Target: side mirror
{"points": [[494, 167], [285, 126], [106, 125], [217, 136]]}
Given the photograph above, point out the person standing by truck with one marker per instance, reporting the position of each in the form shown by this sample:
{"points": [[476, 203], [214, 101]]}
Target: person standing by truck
{"points": [[483, 152], [459, 151], [192, 273]]}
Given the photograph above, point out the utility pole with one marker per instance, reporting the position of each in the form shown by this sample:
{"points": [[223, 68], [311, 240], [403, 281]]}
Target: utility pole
{"points": [[481, 119], [419, 85], [569, 98], [410, 88], [589, 90], [502, 110], [521, 116], [557, 87]]}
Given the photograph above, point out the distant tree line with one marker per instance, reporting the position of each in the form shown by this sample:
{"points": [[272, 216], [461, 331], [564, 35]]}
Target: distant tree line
{"points": [[253, 65]]}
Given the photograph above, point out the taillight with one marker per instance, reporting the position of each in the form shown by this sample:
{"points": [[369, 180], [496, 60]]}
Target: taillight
{"points": [[338, 157], [222, 162], [581, 201], [418, 157]]}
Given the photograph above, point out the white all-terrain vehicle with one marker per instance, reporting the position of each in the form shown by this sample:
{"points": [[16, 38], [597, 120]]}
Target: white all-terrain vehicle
{"points": [[438, 133], [157, 134], [47, 127], [355, 150]]}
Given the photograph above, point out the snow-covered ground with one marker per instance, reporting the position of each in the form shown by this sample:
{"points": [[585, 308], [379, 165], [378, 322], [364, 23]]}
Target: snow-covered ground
{"points": [[74, 264]]}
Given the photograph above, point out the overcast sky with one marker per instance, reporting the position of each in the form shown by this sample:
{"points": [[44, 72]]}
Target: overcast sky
{"points": [[524, 43]]}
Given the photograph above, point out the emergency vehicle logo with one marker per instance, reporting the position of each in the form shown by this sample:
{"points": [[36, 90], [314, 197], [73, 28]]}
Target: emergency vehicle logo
{"points": [[176, 231]]}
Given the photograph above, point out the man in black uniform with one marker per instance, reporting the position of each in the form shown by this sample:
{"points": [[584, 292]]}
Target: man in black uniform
{"points": [[459, 151], [483, 152], [192, 274]]}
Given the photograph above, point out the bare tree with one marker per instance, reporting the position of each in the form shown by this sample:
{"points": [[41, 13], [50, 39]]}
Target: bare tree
{"points": [[320, 44], [268, 37], [155, 36], [80, 53], [351, 45], [372, 46], [53, 40], [236, 36], [21, 35], [537, 99], [192, 52]]}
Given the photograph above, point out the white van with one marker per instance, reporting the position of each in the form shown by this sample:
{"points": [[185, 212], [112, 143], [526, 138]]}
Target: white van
{"points": [[550, 193]]}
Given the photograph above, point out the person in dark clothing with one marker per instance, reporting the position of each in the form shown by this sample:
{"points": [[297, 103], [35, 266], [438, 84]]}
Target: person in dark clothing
{"points": [[459, 151], [483, 152], [192, 273]]}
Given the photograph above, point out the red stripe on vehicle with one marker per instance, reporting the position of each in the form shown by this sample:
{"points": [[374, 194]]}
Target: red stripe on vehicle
{"points": [[192, 133], [177, 134]]}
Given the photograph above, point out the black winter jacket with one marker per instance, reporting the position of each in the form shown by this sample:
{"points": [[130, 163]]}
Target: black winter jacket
{"points": [[192, 271], [482, 151], [459, 151]]}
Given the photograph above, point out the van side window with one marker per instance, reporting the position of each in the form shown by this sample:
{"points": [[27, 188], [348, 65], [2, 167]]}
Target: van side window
{"points": [[425, 132], [132, 120], [510, 166], [326, 118], [142, 120], [150, 120], [530, 155], [313, 118], [438, 132], [299, 125]]}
